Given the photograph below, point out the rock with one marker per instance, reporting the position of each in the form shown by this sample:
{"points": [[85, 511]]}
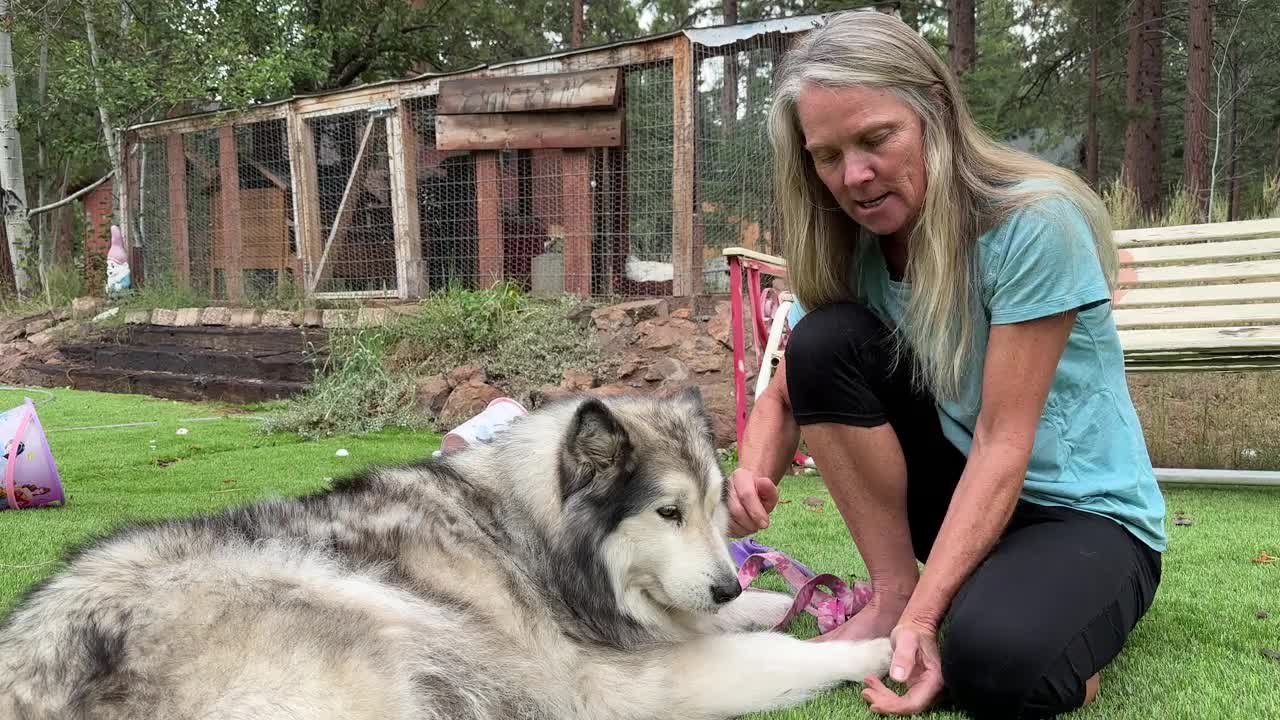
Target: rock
{"points": [[38, 326], [59, 314], [616, 317], [548, 394], [703, 355], [580, 315], [187, 317], [338, 318], [668, 371], [281, 318], [137, 317], [106, 315], [720, 326], [245, 317], [87, 306], [312, 317], [612, 389], [42, 339], [682, 314], [164, 316], [467, 400], [575, 379], [465, 373], [432, 392], [371, 317], [717, 400], [666, 334], [630, 364], [215, 316]]}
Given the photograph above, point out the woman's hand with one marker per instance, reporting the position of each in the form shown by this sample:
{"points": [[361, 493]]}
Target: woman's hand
{"points": [[752, 496], [915, 663]]}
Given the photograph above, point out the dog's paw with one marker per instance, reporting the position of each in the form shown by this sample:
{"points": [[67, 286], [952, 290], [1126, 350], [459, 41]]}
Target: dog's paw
{"points": [[755, 610], [870, 657]]}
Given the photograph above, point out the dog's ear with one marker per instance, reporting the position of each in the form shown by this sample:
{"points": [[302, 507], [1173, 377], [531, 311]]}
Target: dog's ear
{"points": [[595, 445], [691, 395]]}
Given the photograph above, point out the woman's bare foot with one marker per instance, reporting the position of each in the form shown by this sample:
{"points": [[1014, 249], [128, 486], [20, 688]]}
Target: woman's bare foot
{"points": [[1091, 688], [876, 620]]}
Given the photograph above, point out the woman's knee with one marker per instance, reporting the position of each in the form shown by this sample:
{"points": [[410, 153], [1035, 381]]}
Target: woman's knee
{"points": [[830, 334], [994, 670], [836, 366]]}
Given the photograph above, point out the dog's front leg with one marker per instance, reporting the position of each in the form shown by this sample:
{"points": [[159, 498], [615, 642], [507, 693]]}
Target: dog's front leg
{"points": [[724, 676]]}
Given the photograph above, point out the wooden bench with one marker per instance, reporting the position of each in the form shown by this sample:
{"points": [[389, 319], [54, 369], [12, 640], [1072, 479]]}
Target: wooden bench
{"points": [[1191, 297]]}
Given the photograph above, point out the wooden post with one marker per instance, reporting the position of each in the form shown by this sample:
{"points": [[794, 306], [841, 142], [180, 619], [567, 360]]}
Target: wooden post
{"points": [[488, 220], [306, 207], [402, 147], [176, 159], [229, 174], [686, 256], [575, 175]]}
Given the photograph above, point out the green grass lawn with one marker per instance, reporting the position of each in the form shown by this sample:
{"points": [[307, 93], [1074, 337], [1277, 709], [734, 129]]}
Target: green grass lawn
{"points": [[1197, 654]]}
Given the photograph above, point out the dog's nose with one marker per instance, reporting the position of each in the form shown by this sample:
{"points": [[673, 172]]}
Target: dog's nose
{"points": [[723, 592]]}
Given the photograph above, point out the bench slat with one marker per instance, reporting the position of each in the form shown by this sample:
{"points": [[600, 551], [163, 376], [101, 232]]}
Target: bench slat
{"points": [[1237, 230], [1191, 274], [1260, 313], [1205, 340], [1198, 295], [1214, 251]]}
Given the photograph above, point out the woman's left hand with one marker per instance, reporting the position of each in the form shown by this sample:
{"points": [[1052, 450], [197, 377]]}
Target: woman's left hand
{"points": [[917, 664]]}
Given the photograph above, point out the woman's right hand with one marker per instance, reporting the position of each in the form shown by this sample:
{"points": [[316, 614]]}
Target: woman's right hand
{"points": [[752, 497]]}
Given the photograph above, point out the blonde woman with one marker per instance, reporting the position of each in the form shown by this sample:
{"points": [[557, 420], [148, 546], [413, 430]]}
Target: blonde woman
{"points": [[959, 381]]}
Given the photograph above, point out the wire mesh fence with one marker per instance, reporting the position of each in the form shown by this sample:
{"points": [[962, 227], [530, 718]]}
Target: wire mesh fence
{"points": [[358, 196]]}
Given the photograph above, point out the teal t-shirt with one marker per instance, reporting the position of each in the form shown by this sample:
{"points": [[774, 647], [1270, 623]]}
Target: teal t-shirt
{"points": [[1089, 451]]}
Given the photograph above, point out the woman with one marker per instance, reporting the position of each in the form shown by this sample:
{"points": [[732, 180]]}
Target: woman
{"points": [[959, 381]]}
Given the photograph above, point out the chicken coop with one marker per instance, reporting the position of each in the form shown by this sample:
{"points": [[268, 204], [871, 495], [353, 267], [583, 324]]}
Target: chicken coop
{"points": [[619, 170]]}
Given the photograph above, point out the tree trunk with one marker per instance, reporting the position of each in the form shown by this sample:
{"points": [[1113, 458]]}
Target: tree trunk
{"points": [[1195, 168], [729, 97], [1233, 170], [1142, 134], [104, 115], [960, 35], [44, 225], [910, 12], [575, 25], [17, 228], [1091, 143]]}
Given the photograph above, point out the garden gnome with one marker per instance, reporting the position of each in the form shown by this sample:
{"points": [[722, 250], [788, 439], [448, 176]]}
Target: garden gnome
{"points": [[118, 279]]}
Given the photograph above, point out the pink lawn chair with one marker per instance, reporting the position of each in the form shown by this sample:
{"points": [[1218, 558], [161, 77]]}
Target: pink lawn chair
{"points": [[769, 327]]}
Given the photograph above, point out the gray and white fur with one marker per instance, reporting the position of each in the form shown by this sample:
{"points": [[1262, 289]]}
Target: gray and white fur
{"points": [[575, 567]]}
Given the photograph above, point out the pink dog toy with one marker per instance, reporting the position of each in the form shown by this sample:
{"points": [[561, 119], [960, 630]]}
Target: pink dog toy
{"points": [[831, 609]]}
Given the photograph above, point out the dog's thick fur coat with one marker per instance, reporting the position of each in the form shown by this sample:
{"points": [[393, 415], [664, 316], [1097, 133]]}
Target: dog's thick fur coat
{"points": [[576, 567]]}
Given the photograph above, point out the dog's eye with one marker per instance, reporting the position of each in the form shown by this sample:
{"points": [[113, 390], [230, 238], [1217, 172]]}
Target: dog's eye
{"points": [[670, 512]]}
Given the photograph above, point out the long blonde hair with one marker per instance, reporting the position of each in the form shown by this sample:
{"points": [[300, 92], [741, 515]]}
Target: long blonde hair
{"points": [[970, 188]]}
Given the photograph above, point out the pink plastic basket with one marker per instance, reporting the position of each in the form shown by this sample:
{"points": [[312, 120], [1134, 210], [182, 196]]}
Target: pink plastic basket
{"points": [[26, 464]]}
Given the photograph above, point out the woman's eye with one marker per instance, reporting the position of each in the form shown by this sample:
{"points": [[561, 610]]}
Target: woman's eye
{"points": [[670, 512]]}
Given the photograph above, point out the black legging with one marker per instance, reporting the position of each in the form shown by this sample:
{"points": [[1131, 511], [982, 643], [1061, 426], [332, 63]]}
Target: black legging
{"points": [[1060, 592]]}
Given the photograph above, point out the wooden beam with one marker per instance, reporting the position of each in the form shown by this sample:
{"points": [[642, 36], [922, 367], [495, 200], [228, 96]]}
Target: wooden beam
{"points": [[402, 146], [342, 217], [229, 169], [587, 90], [1239, 230], [595, 128], [208, 121], [306, 209], [1198, 315], [176, 159], [488, 220], [685, 254], [1198, 295], [268, 173], [575, 177]]}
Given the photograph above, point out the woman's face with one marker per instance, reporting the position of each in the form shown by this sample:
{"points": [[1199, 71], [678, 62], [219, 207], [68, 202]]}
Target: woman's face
{"points": [[867, 146]]}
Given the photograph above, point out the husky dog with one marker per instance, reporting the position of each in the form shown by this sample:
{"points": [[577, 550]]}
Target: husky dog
{"points": [[574, 567]]}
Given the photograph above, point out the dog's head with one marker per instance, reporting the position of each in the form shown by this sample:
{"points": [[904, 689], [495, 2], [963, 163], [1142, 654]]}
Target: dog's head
{"points": [[640, 475]]}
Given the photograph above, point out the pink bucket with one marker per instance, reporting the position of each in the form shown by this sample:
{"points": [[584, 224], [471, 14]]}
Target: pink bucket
{"points": [[497, 415], [27, 469]]}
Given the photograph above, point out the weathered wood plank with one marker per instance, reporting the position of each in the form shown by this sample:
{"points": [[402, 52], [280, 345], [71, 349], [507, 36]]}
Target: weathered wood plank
{"points": [[488, 223], [402, 151], [306, 187], [595, 128], [1203, 315], [1193, 274], [1218, 250], [1198, 295], [591, 89], [176, 159], [1204, 340], [1269, 227], [575, 169], [686, 259], [229, 173]]}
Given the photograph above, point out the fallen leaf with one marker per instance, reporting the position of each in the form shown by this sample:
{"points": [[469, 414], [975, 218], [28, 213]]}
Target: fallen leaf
{"points": [[1263, 558], [814, 502], [229, 480], [1180, 519], [784, 502], [1262, 615], [1273, 654]]}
